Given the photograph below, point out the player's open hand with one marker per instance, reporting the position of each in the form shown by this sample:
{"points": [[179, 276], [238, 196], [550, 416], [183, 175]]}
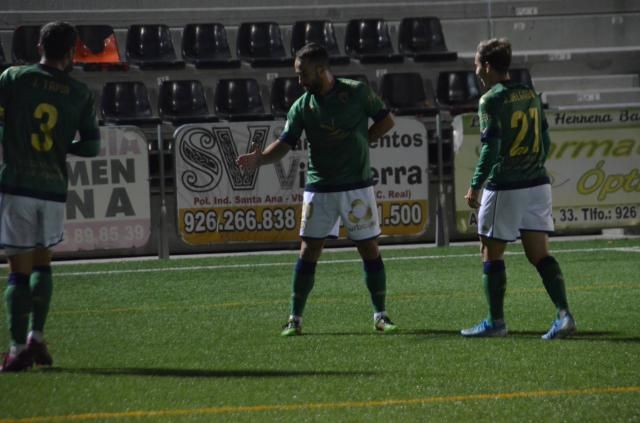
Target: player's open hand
{"points": [[472, 198], [250, 160]]}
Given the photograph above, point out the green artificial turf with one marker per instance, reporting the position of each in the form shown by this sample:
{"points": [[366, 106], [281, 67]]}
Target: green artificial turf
{"points": [[197, 339]]}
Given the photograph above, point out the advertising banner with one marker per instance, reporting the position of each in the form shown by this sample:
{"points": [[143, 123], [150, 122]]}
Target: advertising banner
{"points": [[108, 205], [219, 202], [593, 162]]}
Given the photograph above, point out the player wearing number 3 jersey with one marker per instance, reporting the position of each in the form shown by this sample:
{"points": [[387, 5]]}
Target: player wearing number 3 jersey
{"points": [[516, 201], [41, 110], [334, 114]]}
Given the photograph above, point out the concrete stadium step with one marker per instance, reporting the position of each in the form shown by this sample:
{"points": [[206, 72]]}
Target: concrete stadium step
{"points": [[586, 82], [585, 98]]}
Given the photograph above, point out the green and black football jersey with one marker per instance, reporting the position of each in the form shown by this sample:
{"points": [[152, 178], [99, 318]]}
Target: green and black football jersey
{"points": [[511, 115], [42, 109], [336, 126]]}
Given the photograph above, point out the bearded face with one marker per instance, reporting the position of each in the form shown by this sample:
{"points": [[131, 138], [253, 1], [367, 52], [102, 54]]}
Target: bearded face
{"points": [[309, 76]]}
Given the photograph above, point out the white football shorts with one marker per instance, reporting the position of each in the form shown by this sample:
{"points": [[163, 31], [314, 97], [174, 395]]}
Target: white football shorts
{"points": [[503, 214], [26, 223], [322, 213]]}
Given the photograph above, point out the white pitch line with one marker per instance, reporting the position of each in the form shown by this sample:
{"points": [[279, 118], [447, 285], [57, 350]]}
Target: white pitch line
{"points": [[325, 262]]}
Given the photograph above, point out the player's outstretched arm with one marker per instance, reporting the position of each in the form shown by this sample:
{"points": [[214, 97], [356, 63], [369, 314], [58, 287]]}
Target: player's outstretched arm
{"points": [[274, 152]]}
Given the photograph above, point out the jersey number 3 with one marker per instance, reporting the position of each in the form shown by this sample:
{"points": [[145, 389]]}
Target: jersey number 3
{"points": [[520, 119], [47, 115]]}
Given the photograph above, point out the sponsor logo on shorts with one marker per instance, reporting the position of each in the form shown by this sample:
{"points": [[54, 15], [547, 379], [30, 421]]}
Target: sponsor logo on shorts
{"points": [[360, 216]]}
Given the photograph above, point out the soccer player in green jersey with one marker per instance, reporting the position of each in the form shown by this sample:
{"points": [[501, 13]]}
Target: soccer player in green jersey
{"points": [[516, 201], [334, 114], [41, 110]]}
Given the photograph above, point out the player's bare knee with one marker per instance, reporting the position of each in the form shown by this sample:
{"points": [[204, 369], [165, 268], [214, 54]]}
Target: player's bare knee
{"points": [[310, 250], [368, 249]]}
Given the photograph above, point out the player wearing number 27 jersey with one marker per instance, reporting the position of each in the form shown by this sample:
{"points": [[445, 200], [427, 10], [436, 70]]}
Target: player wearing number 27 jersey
{"points": [[514, 130], [516, 201], [41, 110]]}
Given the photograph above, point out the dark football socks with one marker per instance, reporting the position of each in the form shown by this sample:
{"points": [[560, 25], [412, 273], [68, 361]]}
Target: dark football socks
{"points": [[303, 279], [41, 289], [376, 280], [494, 279], [17, 297], [553, 281]]}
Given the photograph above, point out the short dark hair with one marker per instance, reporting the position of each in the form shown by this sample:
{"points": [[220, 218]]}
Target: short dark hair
{"points": [[313, 53], [57, 38], [496, 52]]}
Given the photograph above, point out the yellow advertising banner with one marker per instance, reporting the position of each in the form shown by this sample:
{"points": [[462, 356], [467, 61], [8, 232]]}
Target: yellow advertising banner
{"points": [[218, 202], [593, 162]]}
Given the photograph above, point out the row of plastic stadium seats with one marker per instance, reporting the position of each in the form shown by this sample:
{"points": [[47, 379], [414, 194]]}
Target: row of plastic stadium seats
{"points": [[205, 45], [184, 101]]}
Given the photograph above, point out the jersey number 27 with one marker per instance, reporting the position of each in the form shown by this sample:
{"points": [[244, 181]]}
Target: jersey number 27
{"points": [[522, 120]]}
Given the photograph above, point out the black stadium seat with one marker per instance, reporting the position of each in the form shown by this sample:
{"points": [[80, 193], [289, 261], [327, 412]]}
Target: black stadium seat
{"points": [[183, 101], [126, 103], [24, 46], [284, 92], [260, 44], [319, 32], [522, 76], [404, 94], [368, 41], [423, 40], [459, 91], [239, 99], [205, 45], [151, 47]]}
